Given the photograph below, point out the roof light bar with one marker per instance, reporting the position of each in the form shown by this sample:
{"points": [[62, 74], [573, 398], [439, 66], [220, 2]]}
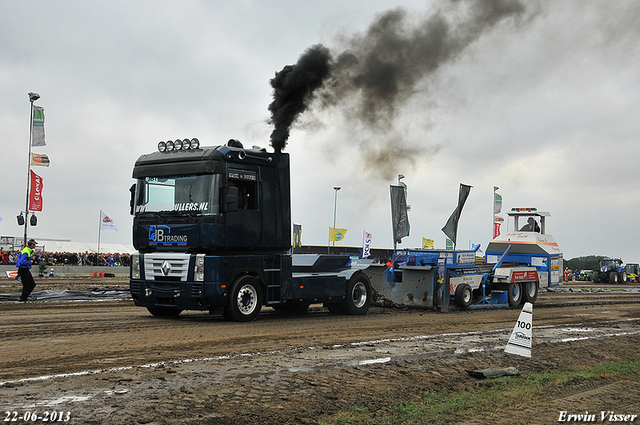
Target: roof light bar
{"points": [[178, 144]]}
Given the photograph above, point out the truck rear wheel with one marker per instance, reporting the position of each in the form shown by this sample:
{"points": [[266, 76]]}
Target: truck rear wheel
{"points": [[164, 311], [464, 295], [613, 277], [530, 291], [359, 297], [514, 294], [623, 277], [245, 300]]}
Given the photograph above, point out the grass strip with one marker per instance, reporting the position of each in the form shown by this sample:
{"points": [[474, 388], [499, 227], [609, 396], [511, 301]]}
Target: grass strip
{"points": [[490, 396]]}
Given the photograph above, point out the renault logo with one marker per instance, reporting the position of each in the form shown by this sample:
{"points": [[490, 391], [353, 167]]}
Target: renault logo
{"points": [[166, 268]]}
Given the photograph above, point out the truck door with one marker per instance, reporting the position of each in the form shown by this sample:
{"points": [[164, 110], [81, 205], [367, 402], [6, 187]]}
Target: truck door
{"points": [[244, 225]]}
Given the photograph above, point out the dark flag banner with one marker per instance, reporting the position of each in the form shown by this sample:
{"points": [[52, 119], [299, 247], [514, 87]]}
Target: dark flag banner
{"points": [[451, 228], [399, 217]]}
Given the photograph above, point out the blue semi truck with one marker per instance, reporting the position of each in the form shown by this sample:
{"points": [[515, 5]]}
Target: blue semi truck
{"points": [[212, 226]]}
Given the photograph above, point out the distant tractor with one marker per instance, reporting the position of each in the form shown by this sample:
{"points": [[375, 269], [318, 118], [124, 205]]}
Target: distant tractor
{"points": [[633, 270], [611, 270], [585, 275]]}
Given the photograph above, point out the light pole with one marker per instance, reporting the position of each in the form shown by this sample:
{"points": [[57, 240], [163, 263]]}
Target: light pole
{"points": [[335, 208], [32, 98]]}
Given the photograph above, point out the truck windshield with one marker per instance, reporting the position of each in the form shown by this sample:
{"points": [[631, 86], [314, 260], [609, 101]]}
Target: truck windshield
{"points": [[195, 194]]}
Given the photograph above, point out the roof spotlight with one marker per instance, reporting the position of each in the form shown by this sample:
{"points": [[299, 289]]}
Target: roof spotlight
{"points": [[162, 146], [195, 143], [177, 144], [186, 144], [169, 145]]}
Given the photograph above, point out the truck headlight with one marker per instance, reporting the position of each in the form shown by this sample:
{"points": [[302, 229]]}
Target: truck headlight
{"points": [[198, 272], [135, 266]]}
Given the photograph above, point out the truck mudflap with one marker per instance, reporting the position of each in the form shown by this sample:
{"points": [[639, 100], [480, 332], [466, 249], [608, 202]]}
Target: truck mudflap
{"points": [[410, 286]]}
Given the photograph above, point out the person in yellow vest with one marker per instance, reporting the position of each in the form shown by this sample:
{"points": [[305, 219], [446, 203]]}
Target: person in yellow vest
{"points": [[24, 269]]}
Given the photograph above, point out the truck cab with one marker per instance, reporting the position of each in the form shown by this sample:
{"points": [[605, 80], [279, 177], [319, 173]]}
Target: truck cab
{"points": [[210, 200]]}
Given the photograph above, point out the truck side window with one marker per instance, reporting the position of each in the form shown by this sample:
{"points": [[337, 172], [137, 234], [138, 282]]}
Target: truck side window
{"points": [[247, 194]]}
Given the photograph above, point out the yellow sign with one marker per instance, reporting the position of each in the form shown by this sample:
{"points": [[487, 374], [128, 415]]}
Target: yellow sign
{"points": [[427, 243]]}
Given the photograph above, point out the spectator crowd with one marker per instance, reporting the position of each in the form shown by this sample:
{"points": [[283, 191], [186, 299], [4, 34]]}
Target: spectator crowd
{"points": [[69, 258]]}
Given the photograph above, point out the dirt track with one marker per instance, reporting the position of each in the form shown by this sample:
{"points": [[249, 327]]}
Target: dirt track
{"points": [[134, 368]]}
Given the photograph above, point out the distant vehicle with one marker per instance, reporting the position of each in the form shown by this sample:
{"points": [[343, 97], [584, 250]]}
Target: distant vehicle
{"points": [[585, 275], [611, 270], [633, 270]]}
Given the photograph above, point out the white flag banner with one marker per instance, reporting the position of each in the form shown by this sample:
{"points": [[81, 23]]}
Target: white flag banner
{"points": [[37, 127], [497, 203], [40, 159], [366, 248], [106, 222]]}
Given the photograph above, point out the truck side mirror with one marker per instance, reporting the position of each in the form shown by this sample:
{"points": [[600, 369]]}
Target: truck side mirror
{"points": [[132, 189], [230, 199]]}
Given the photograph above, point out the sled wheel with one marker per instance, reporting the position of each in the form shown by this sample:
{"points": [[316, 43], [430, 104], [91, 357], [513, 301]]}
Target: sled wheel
{"points": [[245, 300], [530, 291], [514, 295], [463, 296]]}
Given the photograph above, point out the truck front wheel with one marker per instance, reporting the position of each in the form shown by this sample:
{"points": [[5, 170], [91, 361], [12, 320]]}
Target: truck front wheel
{"points": [[514, 294], [359, 298], [245, 300]]}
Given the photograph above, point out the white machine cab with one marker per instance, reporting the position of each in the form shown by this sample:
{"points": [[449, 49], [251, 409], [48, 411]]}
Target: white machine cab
{"points": [[530, 244]]}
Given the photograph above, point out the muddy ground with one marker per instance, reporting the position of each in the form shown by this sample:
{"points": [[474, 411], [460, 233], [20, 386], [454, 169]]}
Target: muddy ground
{"points": [[109, 362]]}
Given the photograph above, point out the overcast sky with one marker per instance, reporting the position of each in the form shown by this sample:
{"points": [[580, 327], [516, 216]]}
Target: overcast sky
{"points": [[542, 102]]}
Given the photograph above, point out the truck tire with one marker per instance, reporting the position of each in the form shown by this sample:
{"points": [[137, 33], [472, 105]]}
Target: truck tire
{"points": [[464, 295], [623, 277], [595, 278], [530, 291], [245, 300], [164, 311], [613, 277], [359, 296], [514, 294]]}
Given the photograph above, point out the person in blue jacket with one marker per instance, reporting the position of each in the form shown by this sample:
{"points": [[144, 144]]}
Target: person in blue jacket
{"points": [[24, 269]]}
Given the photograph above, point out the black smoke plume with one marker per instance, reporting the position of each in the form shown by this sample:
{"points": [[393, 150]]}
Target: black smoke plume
{"points": [[293, 89], [378, 71]]}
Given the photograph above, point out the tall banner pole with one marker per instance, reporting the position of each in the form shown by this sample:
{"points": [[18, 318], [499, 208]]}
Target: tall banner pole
{"points": [[32, 98]]}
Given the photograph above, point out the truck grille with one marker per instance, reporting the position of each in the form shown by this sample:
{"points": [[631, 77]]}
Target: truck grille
{"points": [[166, 266]]}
